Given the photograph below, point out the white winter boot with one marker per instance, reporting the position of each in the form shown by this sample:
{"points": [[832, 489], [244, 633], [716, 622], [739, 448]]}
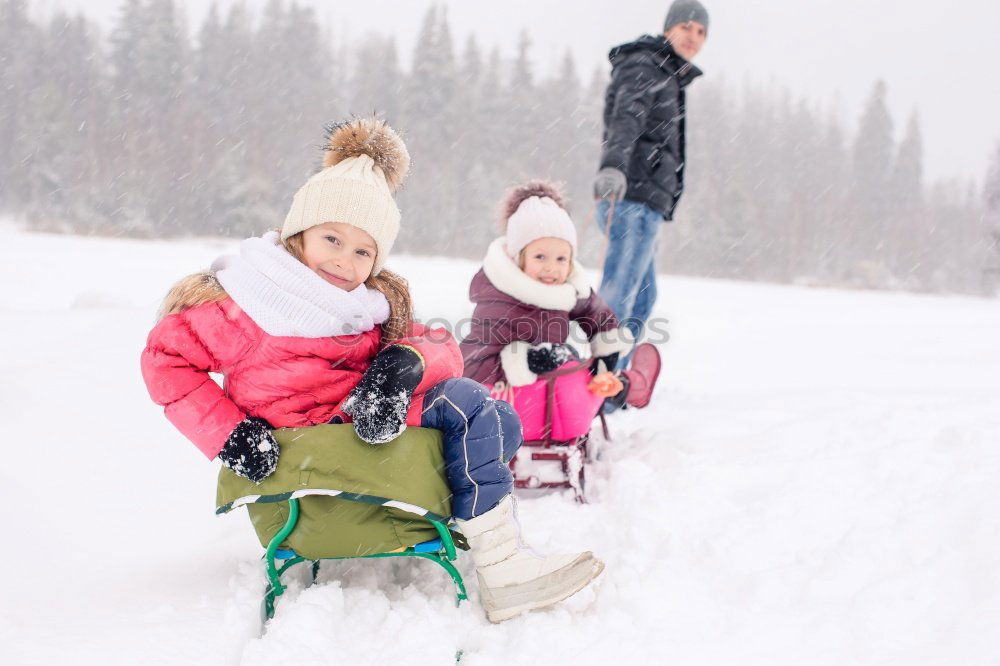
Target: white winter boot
{"points": [[512, 577]]}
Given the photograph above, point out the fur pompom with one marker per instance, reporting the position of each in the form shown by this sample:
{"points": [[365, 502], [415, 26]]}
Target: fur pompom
{"points": [[372, 137], [532, 188]]}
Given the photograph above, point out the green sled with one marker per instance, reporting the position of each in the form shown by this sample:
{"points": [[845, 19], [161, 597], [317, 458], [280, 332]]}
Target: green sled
{"points": [[334, 496]]}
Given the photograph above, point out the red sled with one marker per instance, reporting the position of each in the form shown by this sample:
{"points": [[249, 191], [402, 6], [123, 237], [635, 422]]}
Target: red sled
{"points": [[556, 457]]}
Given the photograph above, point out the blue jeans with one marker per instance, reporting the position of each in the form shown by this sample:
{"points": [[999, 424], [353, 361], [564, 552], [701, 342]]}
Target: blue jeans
{"points": [[481, 435], [629, 281]]}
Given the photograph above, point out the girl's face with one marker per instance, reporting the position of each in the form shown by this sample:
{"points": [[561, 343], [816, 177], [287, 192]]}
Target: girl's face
{"points": [[340, 253], [547, 260]]}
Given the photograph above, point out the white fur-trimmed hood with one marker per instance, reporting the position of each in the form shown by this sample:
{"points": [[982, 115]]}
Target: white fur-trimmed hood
{"points": [[506, 276]]}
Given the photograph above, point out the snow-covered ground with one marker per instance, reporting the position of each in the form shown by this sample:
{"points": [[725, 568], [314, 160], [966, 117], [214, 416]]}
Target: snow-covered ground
{"points": [[814, 483]]}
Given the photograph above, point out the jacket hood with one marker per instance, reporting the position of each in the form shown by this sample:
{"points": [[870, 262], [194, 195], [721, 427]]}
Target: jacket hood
{"points": [[657, 50]]}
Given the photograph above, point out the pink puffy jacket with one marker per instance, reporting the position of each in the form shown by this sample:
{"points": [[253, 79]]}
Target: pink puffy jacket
{"points": [[287, 381]]}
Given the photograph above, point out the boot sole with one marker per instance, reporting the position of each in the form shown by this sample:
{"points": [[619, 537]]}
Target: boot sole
{"points": [[507, 602]]}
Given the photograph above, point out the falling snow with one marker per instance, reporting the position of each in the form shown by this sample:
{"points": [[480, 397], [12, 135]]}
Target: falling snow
{"points": [[813, 483]]}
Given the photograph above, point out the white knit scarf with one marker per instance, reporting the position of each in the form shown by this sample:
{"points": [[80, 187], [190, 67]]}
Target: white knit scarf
{"points": [[285, 297]]}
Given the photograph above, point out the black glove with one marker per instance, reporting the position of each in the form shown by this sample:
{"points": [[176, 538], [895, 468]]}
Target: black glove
{"points": [[610, 183], [250, 450], [546, 357], [619, 400], [378, 404], [604, 364]]}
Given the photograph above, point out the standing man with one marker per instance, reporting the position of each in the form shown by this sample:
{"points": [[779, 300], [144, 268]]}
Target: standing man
{"points": [[642, 167]]}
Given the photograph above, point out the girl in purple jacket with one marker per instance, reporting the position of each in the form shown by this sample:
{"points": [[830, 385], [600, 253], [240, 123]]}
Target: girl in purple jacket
{"points": [[528, 291]]}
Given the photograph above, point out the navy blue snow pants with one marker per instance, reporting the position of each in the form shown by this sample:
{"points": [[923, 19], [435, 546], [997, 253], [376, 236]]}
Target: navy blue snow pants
{"points": [[481, 435]]}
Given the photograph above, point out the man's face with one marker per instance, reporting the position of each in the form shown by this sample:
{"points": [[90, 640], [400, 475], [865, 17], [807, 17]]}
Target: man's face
{"points": [[687, 38]]}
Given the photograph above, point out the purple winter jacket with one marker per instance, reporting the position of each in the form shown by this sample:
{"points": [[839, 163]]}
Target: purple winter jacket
{"points": [[514, 312]]}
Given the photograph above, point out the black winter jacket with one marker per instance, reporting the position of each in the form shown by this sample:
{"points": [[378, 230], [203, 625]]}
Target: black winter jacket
{"points": [[644, 120]]}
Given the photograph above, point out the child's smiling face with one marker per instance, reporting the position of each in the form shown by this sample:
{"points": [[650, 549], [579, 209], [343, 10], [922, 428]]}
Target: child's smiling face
{"points": [[340, 253], [547, 260]]}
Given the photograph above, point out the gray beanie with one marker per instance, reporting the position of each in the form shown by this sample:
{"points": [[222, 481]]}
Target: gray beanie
{"points": [[686, 10]]}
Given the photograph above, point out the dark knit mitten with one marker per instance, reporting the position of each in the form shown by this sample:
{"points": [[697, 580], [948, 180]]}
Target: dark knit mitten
{"points": [[250, 450], [546, 357], [378, 404]]}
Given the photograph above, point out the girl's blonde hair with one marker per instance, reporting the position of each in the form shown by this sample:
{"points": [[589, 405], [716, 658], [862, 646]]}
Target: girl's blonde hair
{"points": [[205, 288]]}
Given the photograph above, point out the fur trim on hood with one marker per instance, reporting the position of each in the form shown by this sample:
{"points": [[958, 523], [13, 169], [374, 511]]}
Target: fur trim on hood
{"points": [[506, 276], [514, 361], [190, 292]]}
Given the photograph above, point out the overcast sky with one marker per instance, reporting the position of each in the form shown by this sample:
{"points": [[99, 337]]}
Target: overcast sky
{"points": [[937, 57]]}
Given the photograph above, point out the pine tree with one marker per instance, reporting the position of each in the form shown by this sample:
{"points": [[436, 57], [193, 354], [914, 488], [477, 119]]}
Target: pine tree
{"points": [[873, 152], [907, 234], [162, 138], [494, 138], [431, 195], [590, 130], [991, 186], [127, 149], [211, 63], [803, 175], [974, 245], [991, 199], [523, 118], [20, 59], [906, 182], [288, 100], [753, 218], [150, 56], [234, 194], [376, 82], [831, 203], [68, 104], [559, 101], [476, 180], [417, 118]]}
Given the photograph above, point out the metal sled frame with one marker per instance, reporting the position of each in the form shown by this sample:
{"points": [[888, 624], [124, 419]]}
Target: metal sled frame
{"points": [[571, 454], [440, 550]]}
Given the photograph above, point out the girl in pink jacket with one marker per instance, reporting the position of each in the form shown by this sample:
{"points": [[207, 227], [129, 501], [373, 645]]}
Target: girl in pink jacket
{"points": [[307, 327]]}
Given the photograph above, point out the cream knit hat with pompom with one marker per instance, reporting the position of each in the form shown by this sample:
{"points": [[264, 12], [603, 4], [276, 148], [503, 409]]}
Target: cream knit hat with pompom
{"points": [[364, 164]]}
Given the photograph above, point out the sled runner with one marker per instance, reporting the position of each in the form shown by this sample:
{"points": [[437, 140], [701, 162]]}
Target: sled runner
{"points": [[558, 415], [334, 496]]}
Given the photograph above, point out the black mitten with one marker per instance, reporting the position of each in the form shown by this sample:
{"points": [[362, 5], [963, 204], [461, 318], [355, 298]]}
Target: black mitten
{"points": [[604, 364], [250, 450], [546, 357], [378, 404]]}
